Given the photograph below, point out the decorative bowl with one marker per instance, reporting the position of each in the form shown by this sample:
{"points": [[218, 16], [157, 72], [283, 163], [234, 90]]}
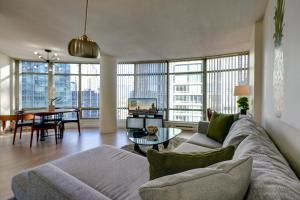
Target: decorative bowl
{"points": [[152, 129]]}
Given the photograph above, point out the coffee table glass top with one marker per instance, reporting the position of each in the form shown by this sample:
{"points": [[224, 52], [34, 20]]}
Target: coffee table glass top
{"points": [[161, 136]]}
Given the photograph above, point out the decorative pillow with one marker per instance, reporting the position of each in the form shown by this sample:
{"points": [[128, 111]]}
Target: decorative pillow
{"points": [[219, 126], [167, 163], [225, 180]]}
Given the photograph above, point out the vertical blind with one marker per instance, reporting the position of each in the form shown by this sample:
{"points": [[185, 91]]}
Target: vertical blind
{"points": [[222, 75], [142, 80]]}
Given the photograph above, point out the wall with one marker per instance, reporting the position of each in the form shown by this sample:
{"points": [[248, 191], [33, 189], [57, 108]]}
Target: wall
{"points": [[6, 85], [255, 68], [285, 131]]}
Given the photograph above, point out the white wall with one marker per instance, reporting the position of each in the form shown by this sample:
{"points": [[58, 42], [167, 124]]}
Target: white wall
{"points": [[285, 131], [6, 85]]}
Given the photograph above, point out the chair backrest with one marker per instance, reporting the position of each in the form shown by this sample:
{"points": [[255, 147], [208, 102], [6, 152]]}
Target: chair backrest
{"points": [[22, 116], [209, 113]]}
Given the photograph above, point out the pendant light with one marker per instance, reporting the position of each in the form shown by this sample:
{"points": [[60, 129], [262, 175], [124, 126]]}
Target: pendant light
{"points": [[84, 46]]}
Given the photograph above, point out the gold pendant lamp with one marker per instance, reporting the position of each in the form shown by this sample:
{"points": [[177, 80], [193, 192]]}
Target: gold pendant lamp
{"points": [[84, 47]]}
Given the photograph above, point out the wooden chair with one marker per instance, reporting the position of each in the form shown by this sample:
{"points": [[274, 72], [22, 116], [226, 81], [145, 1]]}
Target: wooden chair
{"points": [[47, 121], [22, 120], [76, 120], [209, 113]]}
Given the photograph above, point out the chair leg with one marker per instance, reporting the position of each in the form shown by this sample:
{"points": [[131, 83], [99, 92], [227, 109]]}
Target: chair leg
{"points": [[55, 130], [32, 130], [21, 131], [78, 125], [15, 133], [37, 135]]}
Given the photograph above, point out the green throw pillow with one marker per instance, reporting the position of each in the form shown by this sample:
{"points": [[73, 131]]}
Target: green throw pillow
{"points": [[168, 163], [219, 126]]}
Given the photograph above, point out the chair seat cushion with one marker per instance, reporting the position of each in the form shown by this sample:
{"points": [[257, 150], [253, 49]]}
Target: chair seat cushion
{"points": [[114, 172], [203, 140]]}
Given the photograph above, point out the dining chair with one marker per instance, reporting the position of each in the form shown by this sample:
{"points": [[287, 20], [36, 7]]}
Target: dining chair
{"points": [[22, 120], [48, 121], [72, 120]]}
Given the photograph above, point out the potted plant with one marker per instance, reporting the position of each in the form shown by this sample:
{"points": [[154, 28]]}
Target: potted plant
{"points": [[243, 105]]}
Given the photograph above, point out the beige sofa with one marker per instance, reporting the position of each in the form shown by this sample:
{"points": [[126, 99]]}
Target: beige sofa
{"points": [[110, 173]]}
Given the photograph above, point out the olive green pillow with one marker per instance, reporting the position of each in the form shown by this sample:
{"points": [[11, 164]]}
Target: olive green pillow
{"points": [[219, 126], [168, 163]]}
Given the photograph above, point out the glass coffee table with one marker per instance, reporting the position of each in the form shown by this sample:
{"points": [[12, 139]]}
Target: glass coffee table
{"points": [[162, 136]]}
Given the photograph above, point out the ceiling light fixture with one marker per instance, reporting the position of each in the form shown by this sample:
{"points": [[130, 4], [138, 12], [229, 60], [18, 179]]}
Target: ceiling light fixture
{"points": [[84, 46], [48, 57]]}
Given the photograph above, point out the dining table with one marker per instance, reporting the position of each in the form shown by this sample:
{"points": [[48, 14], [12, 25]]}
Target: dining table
{"points": [[48, 112]]}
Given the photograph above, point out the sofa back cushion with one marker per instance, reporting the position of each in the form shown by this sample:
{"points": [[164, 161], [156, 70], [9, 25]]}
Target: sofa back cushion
{"points": [[271, 177], [225, 180], [239, 130]]}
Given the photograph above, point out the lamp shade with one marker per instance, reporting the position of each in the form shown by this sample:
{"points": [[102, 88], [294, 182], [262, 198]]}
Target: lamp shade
{"points": [[241, 90], [83, 47]]}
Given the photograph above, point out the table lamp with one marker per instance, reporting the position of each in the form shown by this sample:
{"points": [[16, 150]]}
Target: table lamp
{"points": [[242, 91]]}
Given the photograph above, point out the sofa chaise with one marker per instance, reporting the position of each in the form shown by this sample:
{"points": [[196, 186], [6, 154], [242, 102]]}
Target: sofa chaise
{"points": [[106, 172]]}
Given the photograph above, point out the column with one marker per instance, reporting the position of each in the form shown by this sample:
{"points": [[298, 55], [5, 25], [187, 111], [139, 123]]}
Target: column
{"points": [[108, 94]]}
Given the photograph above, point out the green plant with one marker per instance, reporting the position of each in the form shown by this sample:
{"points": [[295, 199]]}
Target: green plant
{"points": [[279, 24], [243, 103]]}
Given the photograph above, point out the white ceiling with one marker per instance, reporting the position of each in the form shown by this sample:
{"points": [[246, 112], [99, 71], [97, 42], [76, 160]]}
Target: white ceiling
{"points": [[129, 29]]}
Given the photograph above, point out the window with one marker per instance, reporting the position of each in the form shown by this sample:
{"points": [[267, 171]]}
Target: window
{"points": [[90, 90], [33, 84], [143, 80], [66, 81], [76, 85], [222, 75], [186, 91]]}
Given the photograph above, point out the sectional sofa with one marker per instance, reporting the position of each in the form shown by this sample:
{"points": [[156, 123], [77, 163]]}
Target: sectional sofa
{"points": [[106, 172]]}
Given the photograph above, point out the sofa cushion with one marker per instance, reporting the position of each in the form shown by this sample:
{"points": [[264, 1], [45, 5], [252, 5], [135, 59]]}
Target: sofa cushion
{"points": [[219, 126], [113, 172], [203, 140], [271, 178], [167, 163], [239, 130], [226, 180], [187, 147]]}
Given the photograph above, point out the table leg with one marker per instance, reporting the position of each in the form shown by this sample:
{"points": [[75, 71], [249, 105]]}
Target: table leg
{"points": [[155, 147], [139, 150], [3, 125], [166, 143]]}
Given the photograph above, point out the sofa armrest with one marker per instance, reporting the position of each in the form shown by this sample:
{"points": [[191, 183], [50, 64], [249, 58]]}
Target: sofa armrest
{"points": [[202, 127], [49, 182]]}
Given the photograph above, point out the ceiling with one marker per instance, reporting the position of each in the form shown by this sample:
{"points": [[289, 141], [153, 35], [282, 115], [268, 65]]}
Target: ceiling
{"points": [[131, 30]]}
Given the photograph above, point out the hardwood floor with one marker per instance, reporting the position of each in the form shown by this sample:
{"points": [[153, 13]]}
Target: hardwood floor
{"points": [[18, 157]]}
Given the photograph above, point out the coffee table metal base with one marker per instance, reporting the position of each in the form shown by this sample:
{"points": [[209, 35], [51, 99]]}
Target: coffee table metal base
{"points": [[155, 147]]}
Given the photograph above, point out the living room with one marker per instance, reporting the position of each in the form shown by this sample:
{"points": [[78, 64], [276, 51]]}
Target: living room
{"points": [[149, 99]]}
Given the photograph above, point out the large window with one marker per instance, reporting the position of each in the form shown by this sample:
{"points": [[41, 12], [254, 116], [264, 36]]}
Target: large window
{"points": [[186, 91], [76, 85]]}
